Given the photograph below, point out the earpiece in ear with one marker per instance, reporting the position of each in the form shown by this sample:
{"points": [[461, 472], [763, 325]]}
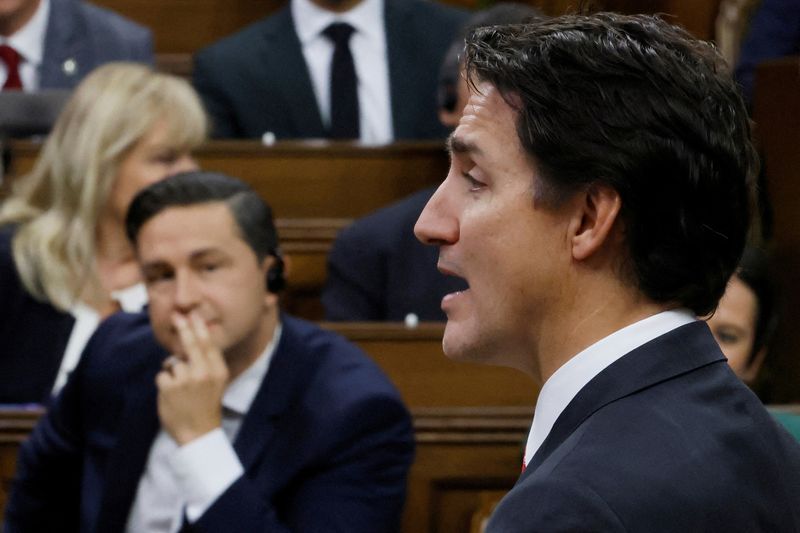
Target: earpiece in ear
{"points": [[275, 280]]}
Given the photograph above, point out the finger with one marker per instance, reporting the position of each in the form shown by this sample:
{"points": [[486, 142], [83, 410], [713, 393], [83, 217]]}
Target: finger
{"points": [[187, 337], [209, 350], [202, 337]]}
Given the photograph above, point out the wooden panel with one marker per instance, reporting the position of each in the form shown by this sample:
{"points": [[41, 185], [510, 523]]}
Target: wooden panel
{"points": [[313, 179], [414, 360], [776, 108], [462, 456], [185, 26]]}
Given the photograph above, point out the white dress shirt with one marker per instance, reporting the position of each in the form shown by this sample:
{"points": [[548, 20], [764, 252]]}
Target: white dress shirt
{"points": [[131, 300], [573, 375], [29, 43], [369, 50], [191, 477]]}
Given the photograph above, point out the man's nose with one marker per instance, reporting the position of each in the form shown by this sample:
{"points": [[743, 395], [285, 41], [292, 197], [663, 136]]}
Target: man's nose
{"points": [[437, 224], [187, 293]]}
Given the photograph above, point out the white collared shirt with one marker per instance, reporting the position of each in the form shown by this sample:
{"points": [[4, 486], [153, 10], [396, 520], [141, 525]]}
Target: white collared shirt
{"points": [[131, 300], [369, 50], [559, 390], [29, 43], [191, 477]]}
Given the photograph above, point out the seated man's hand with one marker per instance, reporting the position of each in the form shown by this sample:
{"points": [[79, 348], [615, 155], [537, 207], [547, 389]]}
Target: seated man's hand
{"points": [[191, 384]]}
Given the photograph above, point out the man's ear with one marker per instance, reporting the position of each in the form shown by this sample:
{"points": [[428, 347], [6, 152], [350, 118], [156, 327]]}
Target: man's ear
{"points": [[598, 209], [270, 298]]}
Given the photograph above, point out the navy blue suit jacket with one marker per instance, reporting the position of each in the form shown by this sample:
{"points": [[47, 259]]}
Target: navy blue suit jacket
{"points": [[88, 36], [326, 444], [774, 33], [33, 335], [378, 270], [257, 80], [664, 439]]}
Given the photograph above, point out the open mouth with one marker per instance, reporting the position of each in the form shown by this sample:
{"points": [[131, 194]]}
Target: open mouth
{"points": [[450, 299]]}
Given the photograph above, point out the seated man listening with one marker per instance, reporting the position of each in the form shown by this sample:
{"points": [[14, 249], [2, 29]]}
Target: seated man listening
{"points": [[216, 412]]}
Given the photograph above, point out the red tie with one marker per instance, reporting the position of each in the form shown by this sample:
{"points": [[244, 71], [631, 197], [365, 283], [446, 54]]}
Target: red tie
{"points": [[11, 58]]}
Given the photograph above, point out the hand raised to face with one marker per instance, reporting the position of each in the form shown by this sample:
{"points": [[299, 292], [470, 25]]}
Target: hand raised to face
{"points": [[191, 384]]}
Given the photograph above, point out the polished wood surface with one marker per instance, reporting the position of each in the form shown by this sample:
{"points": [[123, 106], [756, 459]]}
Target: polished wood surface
{"points": [[311, 179]]}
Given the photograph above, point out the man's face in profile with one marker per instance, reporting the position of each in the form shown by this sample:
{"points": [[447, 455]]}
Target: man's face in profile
{"points": [[193, 259], [491, 232]]}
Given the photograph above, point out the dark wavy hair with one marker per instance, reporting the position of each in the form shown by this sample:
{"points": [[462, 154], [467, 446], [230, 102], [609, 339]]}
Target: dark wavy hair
{"points": [[638, 104]]}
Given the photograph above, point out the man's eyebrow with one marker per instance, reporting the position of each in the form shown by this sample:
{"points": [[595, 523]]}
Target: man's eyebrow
{"points": [[458, 145]]}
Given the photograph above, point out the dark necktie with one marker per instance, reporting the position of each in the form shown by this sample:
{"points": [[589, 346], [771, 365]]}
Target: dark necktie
{"points": [[344, 85], [11, 58]]}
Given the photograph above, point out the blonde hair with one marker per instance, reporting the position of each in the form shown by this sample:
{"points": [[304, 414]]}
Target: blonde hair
{"points": [[57, 205]]}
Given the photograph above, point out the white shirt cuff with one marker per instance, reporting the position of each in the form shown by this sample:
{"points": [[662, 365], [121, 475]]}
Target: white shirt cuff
{"points": [[204, 469]]}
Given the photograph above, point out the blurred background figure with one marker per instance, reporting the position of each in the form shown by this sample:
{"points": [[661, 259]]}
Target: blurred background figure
{"points": [[377, 269], [352, 69], [746, 316], [744, 322], [774, 32], [54, 44], [65, 262]]}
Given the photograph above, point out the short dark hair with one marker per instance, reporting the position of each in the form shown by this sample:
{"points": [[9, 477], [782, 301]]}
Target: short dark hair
{"points": [[637, 104], [252, 214], [754, 271]]}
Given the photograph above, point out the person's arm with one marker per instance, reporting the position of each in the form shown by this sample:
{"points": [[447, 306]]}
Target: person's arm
{"points": [[45, 493], [355, 284], [358, 488], [205, 78]]}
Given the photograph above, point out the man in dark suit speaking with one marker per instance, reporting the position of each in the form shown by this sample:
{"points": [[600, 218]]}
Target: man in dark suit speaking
{"points": [[255, 421], [342, 69], [598, 200]]}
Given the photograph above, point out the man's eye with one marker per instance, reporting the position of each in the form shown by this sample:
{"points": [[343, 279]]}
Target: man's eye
{"points": [[727, 338], [210, 267], [474, 185], [157, 277]]}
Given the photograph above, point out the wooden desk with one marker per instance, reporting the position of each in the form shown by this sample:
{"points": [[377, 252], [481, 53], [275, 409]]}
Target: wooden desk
{"points": [[312, 179]]}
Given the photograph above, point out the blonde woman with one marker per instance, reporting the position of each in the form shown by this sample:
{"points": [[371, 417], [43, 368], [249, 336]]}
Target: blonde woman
{"points": [[65, 263]]}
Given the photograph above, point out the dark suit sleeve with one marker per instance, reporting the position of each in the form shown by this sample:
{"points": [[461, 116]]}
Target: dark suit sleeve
{"points": [[45, 494], [774, 32], [208, 81], [560, 506], [358, 487], [355, 286]]}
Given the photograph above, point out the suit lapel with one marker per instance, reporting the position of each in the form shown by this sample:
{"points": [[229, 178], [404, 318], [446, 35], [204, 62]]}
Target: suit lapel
{"points": [[64, 43], [273, 398], [682, 350], [285, 69], [138, 428], [403, 86]]}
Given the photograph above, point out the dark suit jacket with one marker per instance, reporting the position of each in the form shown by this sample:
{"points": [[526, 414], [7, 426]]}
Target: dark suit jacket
{"points": [[89, 36], [33, 335], [774, 33], [257, 80], [378, 270], [325, 446], [664, 439]]}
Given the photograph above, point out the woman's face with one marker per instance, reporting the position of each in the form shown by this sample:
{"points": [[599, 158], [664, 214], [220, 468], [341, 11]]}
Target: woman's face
{"points": [[151, 159], [734, 327]]}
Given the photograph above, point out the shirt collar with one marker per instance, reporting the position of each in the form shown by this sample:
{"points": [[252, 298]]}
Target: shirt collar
{"points": [[29, 40], [572, 376], [242, 391], [310, 20]]}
